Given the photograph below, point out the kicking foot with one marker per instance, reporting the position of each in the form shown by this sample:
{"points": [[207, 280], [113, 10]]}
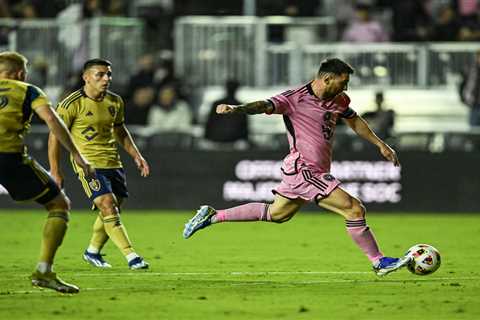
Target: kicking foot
{"points": [[95, 259], [202, 219], [51, 281], [138, 263], [386, 265]]}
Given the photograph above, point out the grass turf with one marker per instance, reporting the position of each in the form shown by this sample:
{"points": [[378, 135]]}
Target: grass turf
{"points": [[307, 268]]}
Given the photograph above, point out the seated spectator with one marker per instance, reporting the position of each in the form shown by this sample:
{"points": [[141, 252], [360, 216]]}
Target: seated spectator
{"points": [[470, 28], [230, 128], [364, 28], [381, 119], [138, 107], [169, 113], [447, 27]]}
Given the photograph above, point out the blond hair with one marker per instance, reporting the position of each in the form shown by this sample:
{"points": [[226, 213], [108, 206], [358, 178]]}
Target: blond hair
{"points": [[11, 61]]}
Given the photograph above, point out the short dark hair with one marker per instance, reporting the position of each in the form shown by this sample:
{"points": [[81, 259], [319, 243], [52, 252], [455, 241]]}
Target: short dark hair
{"points": [[335, 66], [96, 62]]}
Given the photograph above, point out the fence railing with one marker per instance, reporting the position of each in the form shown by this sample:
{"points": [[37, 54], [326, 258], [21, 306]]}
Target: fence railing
{"points": [[211, 49], [57, 48]]}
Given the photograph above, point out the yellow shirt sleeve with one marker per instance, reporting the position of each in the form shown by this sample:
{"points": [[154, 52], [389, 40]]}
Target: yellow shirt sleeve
{"points": [[120, 118], [38, 97], [67, 112]]}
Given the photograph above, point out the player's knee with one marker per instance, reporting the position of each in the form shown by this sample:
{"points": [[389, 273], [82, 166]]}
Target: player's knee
{"points": [[107, 206], [64, 215], [109, 209], [59, 203], [357, 211], [281, 216]]}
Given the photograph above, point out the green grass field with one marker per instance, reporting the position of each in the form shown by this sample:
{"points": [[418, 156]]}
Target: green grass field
{"points": [[307, 268]]}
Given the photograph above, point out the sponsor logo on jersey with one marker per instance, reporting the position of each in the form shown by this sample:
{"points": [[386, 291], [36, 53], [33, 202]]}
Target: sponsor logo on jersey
{"points": [[328, 177]]}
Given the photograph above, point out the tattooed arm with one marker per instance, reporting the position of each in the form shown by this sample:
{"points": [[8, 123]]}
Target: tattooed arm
{"points": [[256, 107]]}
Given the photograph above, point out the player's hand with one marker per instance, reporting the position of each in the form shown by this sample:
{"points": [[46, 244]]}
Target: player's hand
{"points": [[389, 154], [87, 168], [142, 165], [225, 108]]}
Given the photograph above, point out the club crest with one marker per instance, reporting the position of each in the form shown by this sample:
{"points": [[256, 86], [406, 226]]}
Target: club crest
{"points": [[94, 184]]}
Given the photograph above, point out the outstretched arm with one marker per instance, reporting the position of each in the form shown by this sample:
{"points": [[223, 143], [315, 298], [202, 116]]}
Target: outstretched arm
{"points": [[256, 107], [360, 126], [124, 138], [60, 131], [54, 159]]}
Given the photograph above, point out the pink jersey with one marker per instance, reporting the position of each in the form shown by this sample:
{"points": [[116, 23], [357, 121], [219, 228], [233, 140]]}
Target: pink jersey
{"points": [[310, 123]]}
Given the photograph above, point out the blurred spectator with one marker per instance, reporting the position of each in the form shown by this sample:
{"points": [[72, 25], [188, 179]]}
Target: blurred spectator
{"points": [[470, 28], [73, 33], [470, 91], [447, 27], [144, 75], [170, 113], [227, 128], [411, 20], [364, 28], [381, 119], [138, 107]]}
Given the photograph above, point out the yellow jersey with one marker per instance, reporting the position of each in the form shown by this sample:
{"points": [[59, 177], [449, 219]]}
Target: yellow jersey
{"points": [[18, 100], [91, 124]]}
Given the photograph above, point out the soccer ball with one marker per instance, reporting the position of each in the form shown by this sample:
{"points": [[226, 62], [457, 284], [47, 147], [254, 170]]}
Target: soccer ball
{"points": [[425, 259]]}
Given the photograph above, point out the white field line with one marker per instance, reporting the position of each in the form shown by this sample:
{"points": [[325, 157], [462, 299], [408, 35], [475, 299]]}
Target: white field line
{"points": [[254, 283], [227, 273]]}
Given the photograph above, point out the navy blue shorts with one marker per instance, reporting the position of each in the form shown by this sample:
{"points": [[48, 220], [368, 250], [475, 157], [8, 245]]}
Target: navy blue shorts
{"points": [[106, 181], [25, 179]]}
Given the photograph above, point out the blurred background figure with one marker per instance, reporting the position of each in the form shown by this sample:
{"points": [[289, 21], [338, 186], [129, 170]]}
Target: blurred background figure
{"points": [[231, 128], [364, 28], [447, 27], [138, 107], [170, 113], [470, 91], [381, 119]]}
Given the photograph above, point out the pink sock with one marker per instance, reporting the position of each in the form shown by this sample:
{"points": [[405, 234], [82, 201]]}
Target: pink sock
{"points": [[246, 212], [364, 238]]}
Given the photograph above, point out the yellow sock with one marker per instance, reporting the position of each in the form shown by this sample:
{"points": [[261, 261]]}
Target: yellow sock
{"points": [[53, 233], [99, 235], [117, 232]]}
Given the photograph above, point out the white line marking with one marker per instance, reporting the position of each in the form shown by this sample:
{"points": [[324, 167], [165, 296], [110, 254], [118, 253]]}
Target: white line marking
{"points": [[226, 273], [221, 283]]}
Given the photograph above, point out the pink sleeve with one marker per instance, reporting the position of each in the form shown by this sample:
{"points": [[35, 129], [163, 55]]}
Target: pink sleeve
{"points": [[344, 107], [282, 103]]}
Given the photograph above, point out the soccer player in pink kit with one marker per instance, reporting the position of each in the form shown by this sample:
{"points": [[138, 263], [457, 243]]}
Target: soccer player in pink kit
{"points": [[310, 113]]}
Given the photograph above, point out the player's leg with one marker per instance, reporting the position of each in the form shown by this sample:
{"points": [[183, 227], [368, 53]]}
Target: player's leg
{"points": [[53, 233], [25, 179], [97, 242], [341, 202], [116, 231], [281, 210]]}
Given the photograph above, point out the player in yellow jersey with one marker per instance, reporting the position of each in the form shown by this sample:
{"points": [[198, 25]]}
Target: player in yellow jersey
{"points": [[95, 118], [21, 175]]}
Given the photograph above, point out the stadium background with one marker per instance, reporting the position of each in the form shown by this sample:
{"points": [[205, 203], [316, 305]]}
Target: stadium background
{"points": [[267, 46]]}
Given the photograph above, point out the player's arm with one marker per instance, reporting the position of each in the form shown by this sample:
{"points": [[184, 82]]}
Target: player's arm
{"points": [[361, 128], [54, 155], [256, 107], [124, 138], [60, 131]]}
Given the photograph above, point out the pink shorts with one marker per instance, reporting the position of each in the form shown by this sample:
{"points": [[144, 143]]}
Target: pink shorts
{"points": [[306, 184]]}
